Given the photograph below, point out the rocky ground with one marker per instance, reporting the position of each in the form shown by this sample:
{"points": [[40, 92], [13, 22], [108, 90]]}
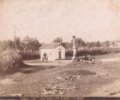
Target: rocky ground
{"points": [[98, 78]]}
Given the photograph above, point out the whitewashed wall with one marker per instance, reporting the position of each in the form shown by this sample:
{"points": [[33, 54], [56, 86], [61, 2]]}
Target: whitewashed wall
{"points": [[53, 54], [62, 49]]}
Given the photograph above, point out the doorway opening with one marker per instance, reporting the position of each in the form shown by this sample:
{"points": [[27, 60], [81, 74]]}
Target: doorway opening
{"points": [[59, 53]]}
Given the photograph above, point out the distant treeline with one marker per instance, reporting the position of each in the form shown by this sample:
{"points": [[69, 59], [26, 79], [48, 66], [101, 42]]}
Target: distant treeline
{"points": [[90, 48], [29, 47]]}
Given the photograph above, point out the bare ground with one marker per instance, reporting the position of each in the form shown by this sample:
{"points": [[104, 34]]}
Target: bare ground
{"points": [[64, 78]]}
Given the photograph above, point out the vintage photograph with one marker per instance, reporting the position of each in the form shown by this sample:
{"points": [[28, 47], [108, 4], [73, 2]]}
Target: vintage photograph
{"points": [[60, 48]]}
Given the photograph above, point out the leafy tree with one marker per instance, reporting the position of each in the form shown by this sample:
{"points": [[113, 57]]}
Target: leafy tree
{"points": [[114, 44], [107, 43], [57, 40], [98, 44], [79, 42], [26, 43], [67, 45], [30, 44]]}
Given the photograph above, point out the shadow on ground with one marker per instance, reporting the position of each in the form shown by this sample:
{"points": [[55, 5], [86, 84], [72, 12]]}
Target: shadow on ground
{"points": [[27, 69]]}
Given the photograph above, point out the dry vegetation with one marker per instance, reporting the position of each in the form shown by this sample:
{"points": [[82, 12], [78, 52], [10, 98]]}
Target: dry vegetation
{"points": [[10, 60]]}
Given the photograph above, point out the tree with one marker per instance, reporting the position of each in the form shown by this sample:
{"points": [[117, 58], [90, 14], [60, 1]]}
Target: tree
{"points": [[26, 43], [107, 44], [30, 45], [79, 42], [98, 44], [67, 45], [114, 44], [57, 40]]}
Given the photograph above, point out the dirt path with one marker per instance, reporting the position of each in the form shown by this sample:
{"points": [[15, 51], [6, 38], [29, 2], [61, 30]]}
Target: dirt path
{"points": [[112, 89], [64, 79], [54, 63]]}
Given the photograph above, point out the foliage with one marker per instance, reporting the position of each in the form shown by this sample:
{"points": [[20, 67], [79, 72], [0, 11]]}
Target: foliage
{"points": [[6, 44], [69, 52], [107, 43], [67, 45], [12, 52], [30, 43], [57, 40], [80, 42], [10, 60], [93, 44], [30, 48]]}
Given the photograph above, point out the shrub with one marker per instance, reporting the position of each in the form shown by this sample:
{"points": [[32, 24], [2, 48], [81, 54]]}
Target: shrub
{"points": [[87, 51], [10, 60]]}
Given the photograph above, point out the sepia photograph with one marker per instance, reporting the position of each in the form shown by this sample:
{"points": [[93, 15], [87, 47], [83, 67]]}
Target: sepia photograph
{"points": [[60, 49]]}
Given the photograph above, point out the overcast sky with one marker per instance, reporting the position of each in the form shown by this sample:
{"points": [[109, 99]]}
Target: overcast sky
{"points": [[46, 19]]}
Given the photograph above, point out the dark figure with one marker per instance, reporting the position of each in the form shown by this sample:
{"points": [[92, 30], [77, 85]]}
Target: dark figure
{"points": [[45, 57]]}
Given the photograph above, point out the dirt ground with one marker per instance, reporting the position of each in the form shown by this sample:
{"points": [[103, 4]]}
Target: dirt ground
{"points": [[65, 78]]}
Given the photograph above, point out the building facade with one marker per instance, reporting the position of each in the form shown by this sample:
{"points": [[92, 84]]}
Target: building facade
{"points": [[52, 52]]}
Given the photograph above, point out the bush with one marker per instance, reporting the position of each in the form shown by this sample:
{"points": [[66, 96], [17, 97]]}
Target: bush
{"points": [[10, 60]]}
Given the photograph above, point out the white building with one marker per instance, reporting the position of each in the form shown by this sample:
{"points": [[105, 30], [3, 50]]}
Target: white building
{"points": [[52, 51]]}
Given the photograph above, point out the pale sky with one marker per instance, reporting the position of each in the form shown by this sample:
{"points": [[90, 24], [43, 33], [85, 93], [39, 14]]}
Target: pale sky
{"points": [[91, 20]]}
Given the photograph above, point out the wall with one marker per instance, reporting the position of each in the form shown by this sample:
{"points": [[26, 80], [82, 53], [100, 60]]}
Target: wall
{"points": [[49, 53], [53, 53], [62, 49]]}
